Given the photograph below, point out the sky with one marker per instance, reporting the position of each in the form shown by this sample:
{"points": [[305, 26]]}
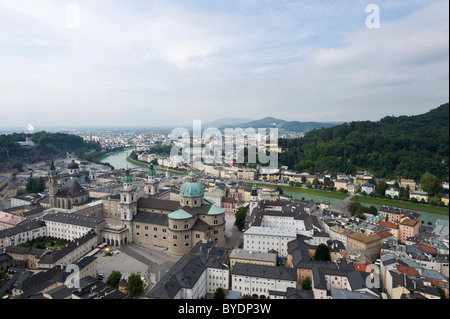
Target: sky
{"points": [[169, 62]]}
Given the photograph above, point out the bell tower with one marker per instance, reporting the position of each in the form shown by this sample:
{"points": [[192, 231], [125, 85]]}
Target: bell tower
{"points": [[52, 184], [253, 199], [152, 186]]}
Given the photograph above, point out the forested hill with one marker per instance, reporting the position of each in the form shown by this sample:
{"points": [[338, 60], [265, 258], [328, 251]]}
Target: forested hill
{"points": [[404, 146], [47, 145]]}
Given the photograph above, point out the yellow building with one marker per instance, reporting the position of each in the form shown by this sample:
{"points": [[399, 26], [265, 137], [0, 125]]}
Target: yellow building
{"points": [[341, 183], [445, 199], [123, 286], [252, 257]]}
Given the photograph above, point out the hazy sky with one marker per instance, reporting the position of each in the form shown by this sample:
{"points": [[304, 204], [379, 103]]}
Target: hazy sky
{"points": [[167, 62]]}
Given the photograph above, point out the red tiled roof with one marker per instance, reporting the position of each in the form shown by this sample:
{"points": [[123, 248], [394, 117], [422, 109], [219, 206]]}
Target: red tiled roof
{"points": [[426, 248], [383, 234], [388, 224]]}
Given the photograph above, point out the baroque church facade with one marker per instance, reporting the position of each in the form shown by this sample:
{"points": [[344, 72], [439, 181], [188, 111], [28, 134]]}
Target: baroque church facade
{"points": [[146, 219]]}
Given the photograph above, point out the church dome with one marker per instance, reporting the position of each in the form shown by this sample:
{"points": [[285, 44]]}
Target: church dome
{"points": [[191, 188], [151, 171], [72, 165], [127, 178]]}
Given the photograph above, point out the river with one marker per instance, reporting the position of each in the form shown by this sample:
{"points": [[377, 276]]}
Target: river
{"points": [[119, 160]]}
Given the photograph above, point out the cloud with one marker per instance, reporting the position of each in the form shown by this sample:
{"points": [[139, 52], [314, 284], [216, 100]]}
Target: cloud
{"points": [[170, 61]]}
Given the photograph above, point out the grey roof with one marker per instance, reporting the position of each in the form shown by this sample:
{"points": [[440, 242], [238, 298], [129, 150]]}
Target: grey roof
{"points": [[60, 292], [73, 219], [158, 204], [25, 251], [346, 294], [71, 188], [92, 288], [294, 293], [55, 256], [38, 282], [151, 218], [26, 225], [264, 271], [289, 208], [186, 272]]}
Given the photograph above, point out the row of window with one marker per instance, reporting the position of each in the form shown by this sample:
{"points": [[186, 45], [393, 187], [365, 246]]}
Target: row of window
{"points": [[175, 237]]}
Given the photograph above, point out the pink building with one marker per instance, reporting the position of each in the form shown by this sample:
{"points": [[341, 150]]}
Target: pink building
{"points": [[408, 228], [230, 204], [8, 220]]}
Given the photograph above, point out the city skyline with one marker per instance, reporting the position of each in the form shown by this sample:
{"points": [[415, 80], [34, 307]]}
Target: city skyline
{"points": [[166, 63]]}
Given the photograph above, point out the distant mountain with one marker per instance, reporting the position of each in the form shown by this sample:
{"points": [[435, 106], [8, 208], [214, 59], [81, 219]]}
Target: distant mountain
{"points": [[393, 147], [283, 125], [230, 121]]}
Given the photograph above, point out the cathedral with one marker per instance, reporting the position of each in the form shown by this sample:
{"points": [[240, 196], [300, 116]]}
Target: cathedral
{"points": [[146, 219], [70, 194]]}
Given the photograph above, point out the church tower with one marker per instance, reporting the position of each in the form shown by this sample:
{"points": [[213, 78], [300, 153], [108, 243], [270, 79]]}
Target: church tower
{"points": [[52, 184], [128, 198], [152, 186], [253, 199]]}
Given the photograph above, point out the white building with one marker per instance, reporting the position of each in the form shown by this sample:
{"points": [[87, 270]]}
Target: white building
{"points": [[392, 191], [258, 281], [368, 188], [287, 223], [21, 233], [71, 226], [265, 239]]}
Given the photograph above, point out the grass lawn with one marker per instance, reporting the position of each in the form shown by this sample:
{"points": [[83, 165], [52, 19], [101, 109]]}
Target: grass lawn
{"points": [[402, 204], [310, 191], [46, 242]]}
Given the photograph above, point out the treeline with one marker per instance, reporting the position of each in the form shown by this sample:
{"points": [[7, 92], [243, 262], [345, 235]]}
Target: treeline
{"points": [[46, 145], [405, 147]]}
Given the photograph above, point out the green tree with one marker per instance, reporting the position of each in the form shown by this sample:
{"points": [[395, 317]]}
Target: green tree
{"points": [[114, 279], [40, 184], [240, 215], [322, 253], [219, 294], [135, 285], [279, 189], [381, 188], [31, 185], [306, 283], [431, 184]]}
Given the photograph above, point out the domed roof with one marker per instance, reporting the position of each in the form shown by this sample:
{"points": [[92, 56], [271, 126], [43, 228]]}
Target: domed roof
{"points": [[72, 165], [191, 188], [151, 171], [127, 178]]}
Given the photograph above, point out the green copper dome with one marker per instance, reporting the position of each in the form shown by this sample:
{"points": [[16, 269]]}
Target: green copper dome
{"points": [[151, 171], [191, 188], [127, 178]]}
